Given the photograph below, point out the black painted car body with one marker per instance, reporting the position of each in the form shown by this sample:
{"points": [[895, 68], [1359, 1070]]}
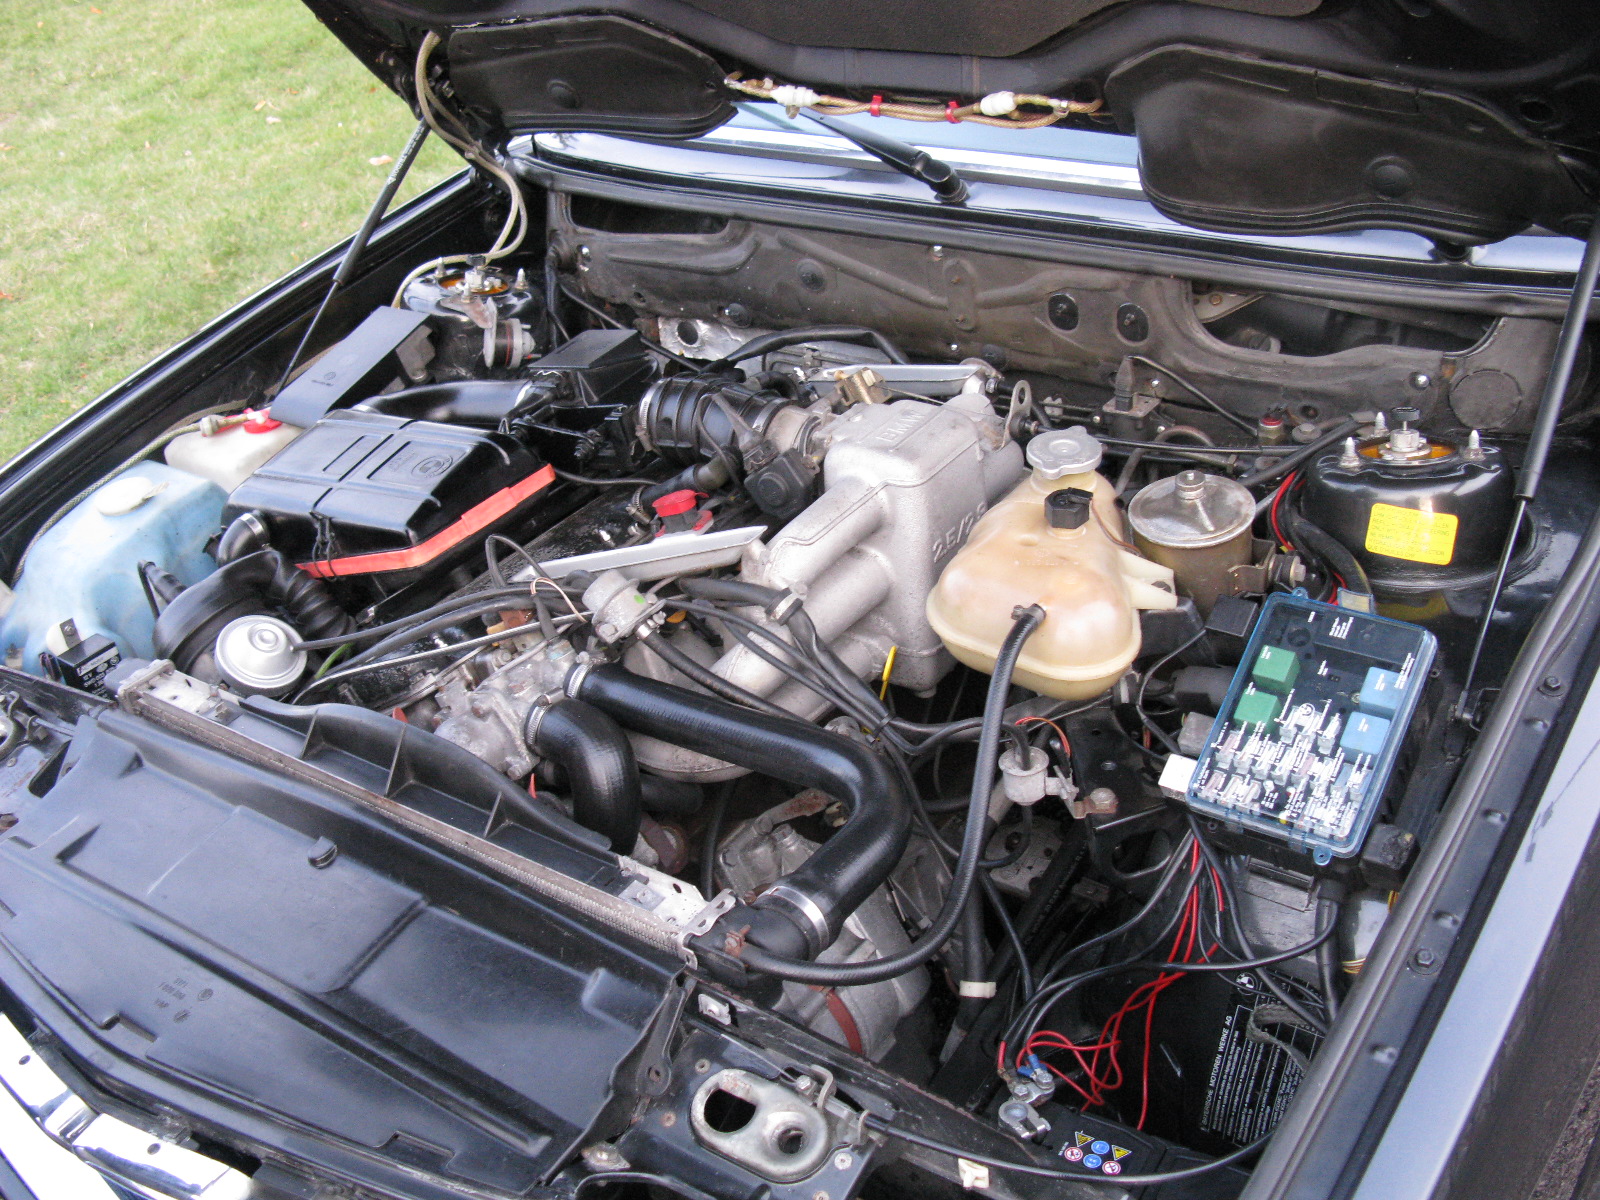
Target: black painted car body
{"points": [[394, 941]]}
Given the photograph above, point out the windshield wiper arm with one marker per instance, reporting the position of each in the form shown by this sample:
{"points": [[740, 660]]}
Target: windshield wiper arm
{"points": [[907, 159]]}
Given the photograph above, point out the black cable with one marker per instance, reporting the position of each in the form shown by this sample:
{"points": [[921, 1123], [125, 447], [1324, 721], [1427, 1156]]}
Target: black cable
{"points": [[350, 672], [1308, 535], [407, 622], [713, 835], [1196, 392], [591, 481], [1009, 928], [681, 662], [1292, 461], [1023, 1168], [616, 324], [768, 342], [1231, 907], [1160, 734], [964, 875]]}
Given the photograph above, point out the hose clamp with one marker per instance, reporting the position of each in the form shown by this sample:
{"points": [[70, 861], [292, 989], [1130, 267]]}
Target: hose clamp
{"points": [[642, 425], [536, 715], [818, 936], [575, 677]]}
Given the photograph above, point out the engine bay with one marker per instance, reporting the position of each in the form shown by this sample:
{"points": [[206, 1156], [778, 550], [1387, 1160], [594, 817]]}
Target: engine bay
{"points": [[690, 645]]}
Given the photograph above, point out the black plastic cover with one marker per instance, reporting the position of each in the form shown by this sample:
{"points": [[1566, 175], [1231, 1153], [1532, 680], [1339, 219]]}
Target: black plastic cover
{"points": [[285, 953], [368, 481], [361, 365], [587, 72], [1216, 129]]}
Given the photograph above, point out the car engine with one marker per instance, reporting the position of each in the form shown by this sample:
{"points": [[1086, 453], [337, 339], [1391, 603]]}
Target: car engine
{"points": [[792, 724]]}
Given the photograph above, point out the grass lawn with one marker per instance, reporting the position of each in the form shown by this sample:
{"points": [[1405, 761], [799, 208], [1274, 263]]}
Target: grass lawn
{"points": [[159, 161]]}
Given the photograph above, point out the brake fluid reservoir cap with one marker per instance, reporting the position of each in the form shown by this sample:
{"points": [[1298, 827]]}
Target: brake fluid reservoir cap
{"points": [[1191, 510], [256, 656], [1064, 452]]}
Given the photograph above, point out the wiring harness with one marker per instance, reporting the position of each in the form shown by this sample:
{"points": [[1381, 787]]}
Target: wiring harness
{"points": [[1002, 110]]}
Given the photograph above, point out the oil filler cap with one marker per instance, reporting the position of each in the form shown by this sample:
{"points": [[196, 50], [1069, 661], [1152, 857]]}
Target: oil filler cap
{"points": [[1068, 508]]}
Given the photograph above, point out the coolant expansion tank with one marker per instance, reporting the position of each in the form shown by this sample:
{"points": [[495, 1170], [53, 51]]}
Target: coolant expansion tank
{"points": [[1054, 541]]}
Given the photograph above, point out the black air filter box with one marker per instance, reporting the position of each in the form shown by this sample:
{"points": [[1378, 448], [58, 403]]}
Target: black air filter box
{"points": [[398, 493]]}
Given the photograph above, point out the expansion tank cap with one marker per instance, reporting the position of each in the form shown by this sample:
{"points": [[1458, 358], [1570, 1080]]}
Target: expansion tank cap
{"points": [[1064, 452]]}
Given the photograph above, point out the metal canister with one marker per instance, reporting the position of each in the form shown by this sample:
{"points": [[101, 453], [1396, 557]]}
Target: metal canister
{"points": [[1199, 525]]}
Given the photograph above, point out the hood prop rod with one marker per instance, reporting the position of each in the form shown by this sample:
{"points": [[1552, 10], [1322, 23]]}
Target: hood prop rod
{"points": [[358, 244], [1544, 429]]}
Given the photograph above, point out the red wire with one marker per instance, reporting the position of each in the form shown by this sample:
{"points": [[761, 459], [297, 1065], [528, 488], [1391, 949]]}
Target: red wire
{"points": [[1272, 513], [1100, 1061]]}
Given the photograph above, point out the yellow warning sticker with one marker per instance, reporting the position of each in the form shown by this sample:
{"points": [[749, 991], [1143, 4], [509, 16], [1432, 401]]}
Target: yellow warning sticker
{"points": [[1410, 533]]}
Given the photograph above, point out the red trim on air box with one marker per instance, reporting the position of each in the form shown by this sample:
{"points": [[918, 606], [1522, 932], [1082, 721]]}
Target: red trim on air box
{"points": [[474, 521]]}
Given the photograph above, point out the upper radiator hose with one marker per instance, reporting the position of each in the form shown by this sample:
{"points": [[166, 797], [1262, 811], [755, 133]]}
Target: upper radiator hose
{"points": [[803, 912]]}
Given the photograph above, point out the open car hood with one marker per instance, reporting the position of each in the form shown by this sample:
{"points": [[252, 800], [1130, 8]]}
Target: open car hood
{"points": [[1462, 120]]}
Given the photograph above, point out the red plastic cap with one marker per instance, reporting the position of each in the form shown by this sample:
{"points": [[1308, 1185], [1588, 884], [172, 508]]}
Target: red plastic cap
{"points": [[675, 504], [259, 422]]}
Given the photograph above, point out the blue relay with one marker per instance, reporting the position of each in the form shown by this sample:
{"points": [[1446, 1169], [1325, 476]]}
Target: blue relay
{"points": [[1381, 693], [1364, 734], [1310, 767]]}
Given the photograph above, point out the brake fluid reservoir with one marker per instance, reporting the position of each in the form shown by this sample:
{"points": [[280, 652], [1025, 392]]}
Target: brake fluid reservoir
{"points": [[229, 450], [1053, 542]]}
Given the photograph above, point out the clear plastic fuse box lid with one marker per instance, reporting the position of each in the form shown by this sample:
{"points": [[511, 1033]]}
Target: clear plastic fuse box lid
{"points": [[1312, 725]]}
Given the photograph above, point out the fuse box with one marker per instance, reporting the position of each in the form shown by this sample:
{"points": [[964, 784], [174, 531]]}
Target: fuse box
{"points": [[1312, 724]]}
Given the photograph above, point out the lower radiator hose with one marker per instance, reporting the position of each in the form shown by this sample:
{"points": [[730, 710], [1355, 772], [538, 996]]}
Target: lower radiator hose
{"points": [[602, 776]]}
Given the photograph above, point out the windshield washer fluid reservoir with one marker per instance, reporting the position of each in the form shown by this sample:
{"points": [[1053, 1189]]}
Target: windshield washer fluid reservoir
{"points": [[1050, 542], [86, 566]]}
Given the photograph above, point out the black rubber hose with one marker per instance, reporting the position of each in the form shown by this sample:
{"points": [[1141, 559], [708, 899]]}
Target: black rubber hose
{"points": [[1328, 961], [704, 477], [602, 774], [671, 797], [734, 591], [1308, 535], [769, 342], [679, 661], [1290, 462], [974, 955], [965, 873], [244, 535], [306, 600], [851, 864], [189, 624]]}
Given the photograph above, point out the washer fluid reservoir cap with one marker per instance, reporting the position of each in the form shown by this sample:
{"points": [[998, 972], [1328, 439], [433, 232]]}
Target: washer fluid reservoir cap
{"points": [[1064, 452], [125, 494], [1191, 510], [256, 656]]}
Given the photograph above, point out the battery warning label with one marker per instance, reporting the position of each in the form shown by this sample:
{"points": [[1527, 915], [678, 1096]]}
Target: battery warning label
{"points": [[1252, 1079]]}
